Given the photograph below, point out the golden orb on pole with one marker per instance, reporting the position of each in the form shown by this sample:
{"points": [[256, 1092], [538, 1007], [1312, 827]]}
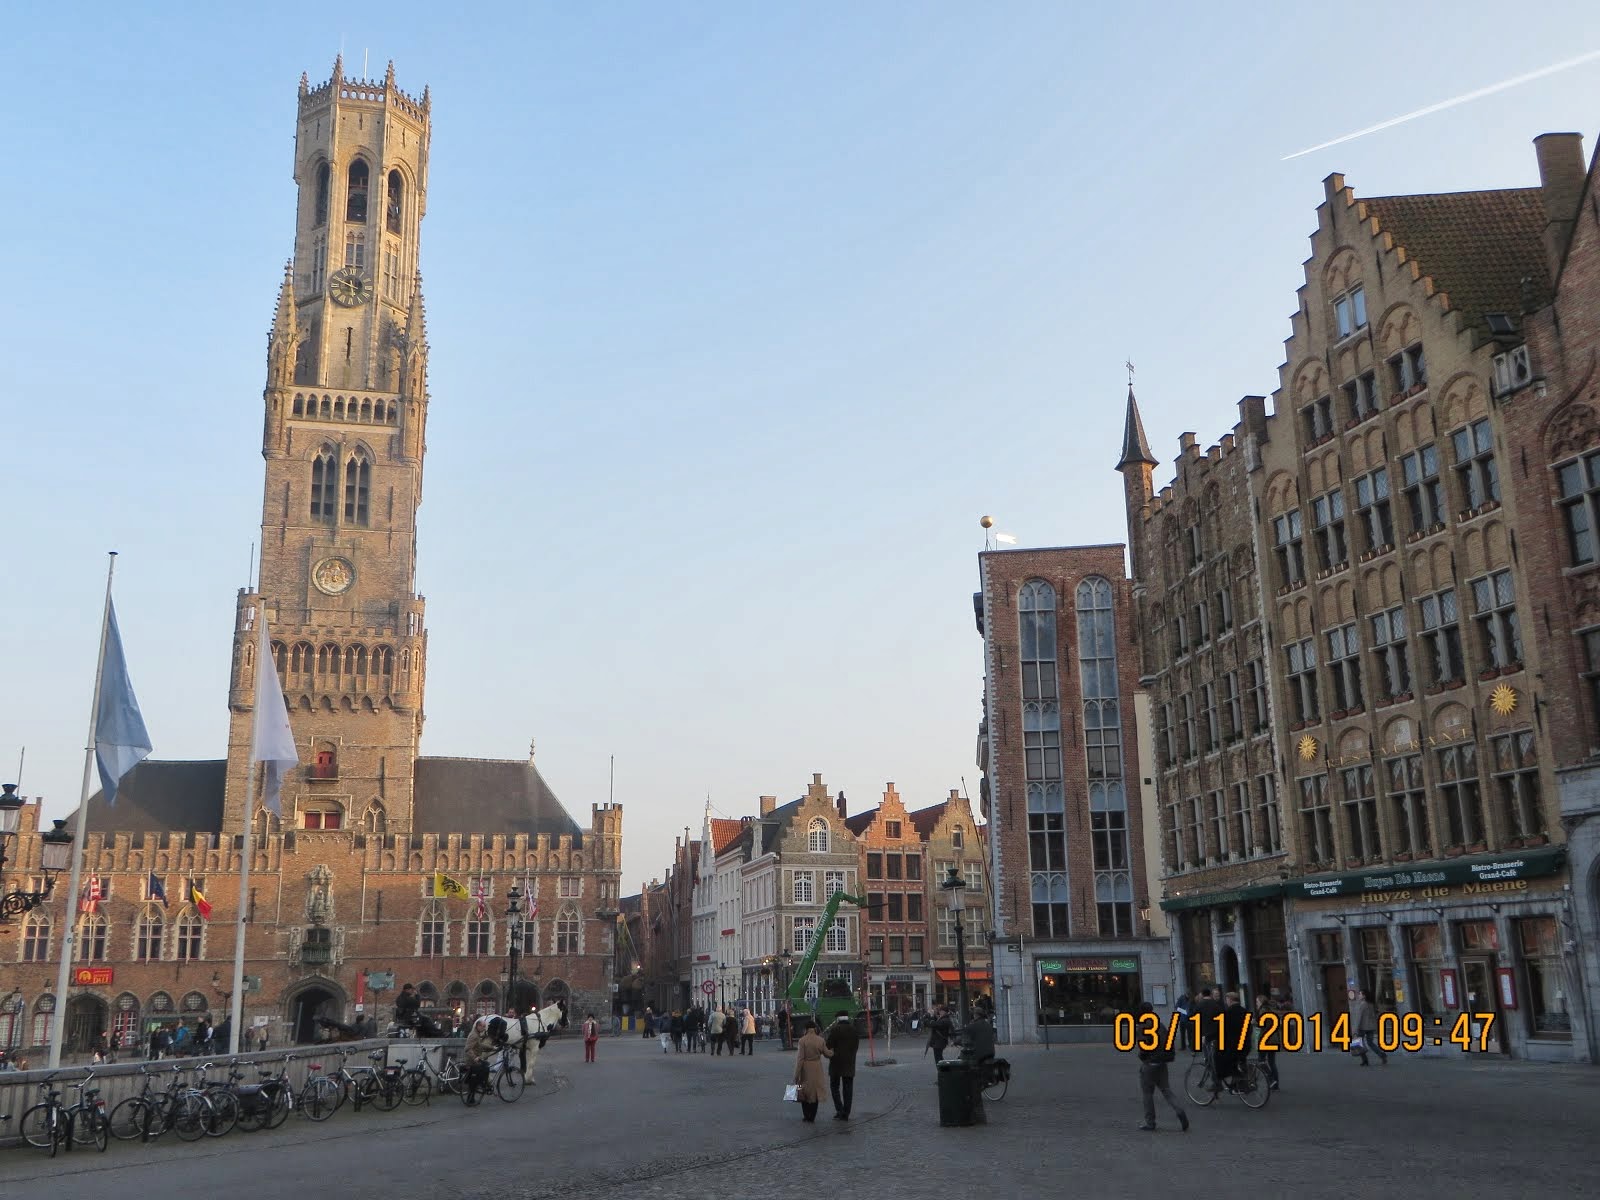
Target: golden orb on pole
{"points": [[986, 522]]}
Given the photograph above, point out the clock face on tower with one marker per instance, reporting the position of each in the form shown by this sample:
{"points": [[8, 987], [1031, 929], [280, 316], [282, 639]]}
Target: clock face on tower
{"points": [[349, 287]]}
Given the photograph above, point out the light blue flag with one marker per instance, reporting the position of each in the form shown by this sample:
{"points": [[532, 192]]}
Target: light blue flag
{"points": [[271, 739], [120, 738]]}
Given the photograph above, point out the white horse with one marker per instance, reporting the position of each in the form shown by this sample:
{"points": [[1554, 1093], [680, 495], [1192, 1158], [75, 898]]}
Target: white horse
{"points": [[531, 1031]]}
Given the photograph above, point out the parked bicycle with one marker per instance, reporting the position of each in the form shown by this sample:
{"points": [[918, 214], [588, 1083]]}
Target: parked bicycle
{"points": [[50, 1125], [419, 1082], [179, 1107]]}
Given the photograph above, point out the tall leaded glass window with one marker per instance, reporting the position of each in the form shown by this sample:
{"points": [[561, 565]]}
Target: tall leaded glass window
{"points": [[1041, 740], [324, 484], [357, 485], [1102, 741]]}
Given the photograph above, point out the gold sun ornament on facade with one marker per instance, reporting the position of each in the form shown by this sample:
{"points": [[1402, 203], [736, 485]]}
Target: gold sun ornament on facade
{"points": [[1503, 700], [1308, 748]]}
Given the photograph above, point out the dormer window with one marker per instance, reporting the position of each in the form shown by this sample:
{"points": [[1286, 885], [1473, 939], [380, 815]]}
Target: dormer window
{"points": [[817, 836]]}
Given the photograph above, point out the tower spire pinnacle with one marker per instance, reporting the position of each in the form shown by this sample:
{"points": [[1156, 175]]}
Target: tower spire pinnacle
{"points": [[1135, 447], [284, 340]]}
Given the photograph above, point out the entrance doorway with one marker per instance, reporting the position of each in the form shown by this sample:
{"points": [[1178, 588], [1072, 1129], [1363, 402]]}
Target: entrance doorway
{"points": [[1230, 970], [304, 1010], [1481, 996], [86, 1020]]}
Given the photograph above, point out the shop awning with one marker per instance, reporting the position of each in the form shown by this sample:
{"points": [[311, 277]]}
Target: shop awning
{"points": [[973, 976], [1233, 896]]}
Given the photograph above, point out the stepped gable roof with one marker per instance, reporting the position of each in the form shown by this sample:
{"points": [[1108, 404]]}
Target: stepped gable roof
{"points": [[487, 795], [859, 823], [164, 797], [724, 832], [1477, 246], [924, 819]]}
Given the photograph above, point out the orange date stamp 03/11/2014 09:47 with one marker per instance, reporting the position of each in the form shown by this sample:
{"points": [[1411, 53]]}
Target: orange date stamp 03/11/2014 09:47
{"points": [[1290, 1032]]}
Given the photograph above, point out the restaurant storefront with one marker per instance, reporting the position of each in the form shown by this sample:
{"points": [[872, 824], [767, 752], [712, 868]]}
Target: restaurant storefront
{"points": [[1481, 936], [1236, 939]]}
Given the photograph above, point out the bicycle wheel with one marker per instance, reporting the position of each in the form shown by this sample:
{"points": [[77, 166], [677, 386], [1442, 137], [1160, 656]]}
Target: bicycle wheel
{"points": [[99, 1126], [320, 1098], [509, 1084], [85, 1124], [191, 1115], [281, 1104], [418, 1088], [41, 1127], [999, 1080], [1197, 1084], [385, 1093], [1254, 1091], [131, 1117], [224, 1113]]}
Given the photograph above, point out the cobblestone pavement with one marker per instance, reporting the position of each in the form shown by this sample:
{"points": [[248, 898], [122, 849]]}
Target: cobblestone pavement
{"points": [[648, 1125]]}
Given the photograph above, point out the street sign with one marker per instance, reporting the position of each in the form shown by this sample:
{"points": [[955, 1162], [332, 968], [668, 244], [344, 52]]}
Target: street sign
{"points": [[380, 981], [708, 988]]}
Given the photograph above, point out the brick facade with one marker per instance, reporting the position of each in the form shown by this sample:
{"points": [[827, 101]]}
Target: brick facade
{"points": [[1060, 756]]}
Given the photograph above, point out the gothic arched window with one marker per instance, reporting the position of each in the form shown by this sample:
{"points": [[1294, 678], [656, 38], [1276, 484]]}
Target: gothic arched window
{"points": [[355, 204], [303, 660], [817, 836], [375, 820], [328, 663], [568, 932], [92, 931], [36, 939], [357, 483], [190, 931], [147, 936], [391, 208], [324, 484], [324, 175], [355, 249]]}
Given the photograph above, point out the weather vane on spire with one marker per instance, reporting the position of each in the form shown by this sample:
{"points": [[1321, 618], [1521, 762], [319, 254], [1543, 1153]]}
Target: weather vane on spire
{"points": [[1129, 365]]}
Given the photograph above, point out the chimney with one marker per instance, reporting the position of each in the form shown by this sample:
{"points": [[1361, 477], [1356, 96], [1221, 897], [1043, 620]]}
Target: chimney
{"points": [[843, 810], [768, 803], [1561, 176]]}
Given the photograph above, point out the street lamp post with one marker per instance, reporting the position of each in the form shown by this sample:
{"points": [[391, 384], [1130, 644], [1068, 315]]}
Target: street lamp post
{"points": [[55, 853], [514, 946], [786, 957], [954, 887], [722, 983]]}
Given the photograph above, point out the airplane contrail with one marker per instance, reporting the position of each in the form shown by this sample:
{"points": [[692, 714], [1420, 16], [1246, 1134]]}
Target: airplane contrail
{"points": [[1451, 103]]}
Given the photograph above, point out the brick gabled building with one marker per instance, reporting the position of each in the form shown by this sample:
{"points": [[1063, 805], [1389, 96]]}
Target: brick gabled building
{"points": [[1070, 890], [1547, 394], [952, 836], [893, 870]]}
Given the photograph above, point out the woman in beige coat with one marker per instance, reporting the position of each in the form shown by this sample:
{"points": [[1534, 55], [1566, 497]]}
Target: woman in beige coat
{"points": [[808, 1056]]}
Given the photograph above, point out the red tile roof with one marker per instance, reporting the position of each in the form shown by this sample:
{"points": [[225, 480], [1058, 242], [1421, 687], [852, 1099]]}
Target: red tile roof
{"points": [[1478, 247], [724, 833]]}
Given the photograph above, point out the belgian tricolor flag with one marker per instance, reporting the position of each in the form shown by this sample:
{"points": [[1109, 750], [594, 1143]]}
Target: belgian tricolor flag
{"points": [[198, 899]]}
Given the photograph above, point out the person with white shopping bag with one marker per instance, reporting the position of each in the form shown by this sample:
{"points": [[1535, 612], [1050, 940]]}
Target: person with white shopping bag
{"points": [[808, 1084], [1364, 1027]]}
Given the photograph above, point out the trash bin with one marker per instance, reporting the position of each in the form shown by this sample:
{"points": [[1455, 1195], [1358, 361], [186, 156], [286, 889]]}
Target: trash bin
{"points": [[960, 1098]]}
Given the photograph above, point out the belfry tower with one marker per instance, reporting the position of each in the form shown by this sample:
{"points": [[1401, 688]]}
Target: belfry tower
{"points": [[346, 406]]}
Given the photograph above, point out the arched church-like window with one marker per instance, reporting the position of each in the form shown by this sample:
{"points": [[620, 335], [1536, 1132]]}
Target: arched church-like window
{"points": [[324, 484], [355, 204], [324, 175], [357, 483], [391, 208]]}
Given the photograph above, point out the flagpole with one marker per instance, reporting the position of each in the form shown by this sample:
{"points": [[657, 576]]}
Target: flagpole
{"points": [[58, 1023], [246, 852]]}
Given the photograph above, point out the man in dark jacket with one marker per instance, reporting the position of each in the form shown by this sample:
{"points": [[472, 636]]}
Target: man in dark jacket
{"points": [[1208, 1007], [406, 1007], [938, 1033], [1153, 1078], [1231, 1048], [844, 1041]]}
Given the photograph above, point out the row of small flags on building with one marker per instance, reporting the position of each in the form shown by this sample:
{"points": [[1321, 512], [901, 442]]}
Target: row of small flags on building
{"points": [[446, 888], [94, 893]]}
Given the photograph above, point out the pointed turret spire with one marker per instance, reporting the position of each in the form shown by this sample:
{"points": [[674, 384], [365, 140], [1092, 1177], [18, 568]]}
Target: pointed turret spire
{"points": [[416, 319], [388, 76], [1135, 447], [285, 321], [283, 343], [305, 83], [338, 68]]}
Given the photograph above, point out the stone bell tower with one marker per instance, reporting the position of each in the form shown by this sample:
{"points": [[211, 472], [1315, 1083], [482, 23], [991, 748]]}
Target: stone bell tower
{"points": [[346, 406]]}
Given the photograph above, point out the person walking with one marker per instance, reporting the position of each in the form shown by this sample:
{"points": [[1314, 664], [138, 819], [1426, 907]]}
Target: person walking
{"points": [[1267, 1058], [938, 1033], [648, 1023], [842, 1041], [1153, 1079], [591, 1037], [747, 1032], [730, 1029], [1208, 1007], [1364, 1027], [808, 1055], [676, 1026], [1184, 1006], [714, 1030]]}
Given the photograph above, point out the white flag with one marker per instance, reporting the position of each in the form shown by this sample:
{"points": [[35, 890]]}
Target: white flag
{"points": [[271, 739]]}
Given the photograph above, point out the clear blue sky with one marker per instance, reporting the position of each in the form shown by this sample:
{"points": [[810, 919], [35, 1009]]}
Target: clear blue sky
{"points": [[741, 316]]}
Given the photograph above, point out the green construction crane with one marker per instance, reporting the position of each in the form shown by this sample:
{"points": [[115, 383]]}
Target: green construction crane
{"points": [[833, 995]]}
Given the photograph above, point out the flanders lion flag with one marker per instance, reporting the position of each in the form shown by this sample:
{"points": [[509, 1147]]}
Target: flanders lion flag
{"points": [[443, 885]]}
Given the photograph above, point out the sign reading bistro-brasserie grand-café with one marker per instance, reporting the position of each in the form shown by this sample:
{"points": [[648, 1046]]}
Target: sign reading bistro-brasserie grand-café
{"points": [[1448, 879]]}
